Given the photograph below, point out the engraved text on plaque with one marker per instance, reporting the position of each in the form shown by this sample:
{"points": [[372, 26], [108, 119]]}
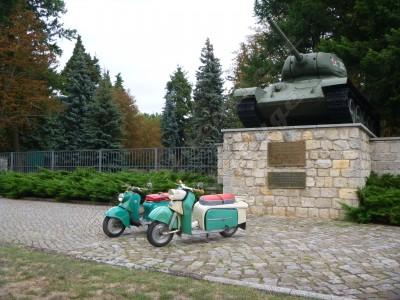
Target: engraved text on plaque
{"points": [[287, 154], [286, 180]]}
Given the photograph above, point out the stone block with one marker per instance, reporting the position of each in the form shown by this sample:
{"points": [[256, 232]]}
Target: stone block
{"points": [[260, 136], [350, 154], [260, 182], [265, 191], [340, 182], [313, 154], [249, 181], [269, 201], [291, 136], [311, 172], [237, 137], [240, 146], [307, 202], [340, 164], [250, 164], [279, 211], [310, 182], [323, 203], [323, 163], [291, 211], [301, 212], [324, 213], [334, 173], [335, 154], [332, 133], [334, 213], [329, 192], [313, 212], [313, 144], [281, 201], [326, 145], [381, 147], [350, 173], [263, 146], [307, 135], [324, 154], [247, 137], [275, 136], [323, 172], [312, 192], [395, 147], [354, 132], [259, 173], [320, 181], [344, 133], [294, 201], [349, 194], [341, 145], [254, 146]]}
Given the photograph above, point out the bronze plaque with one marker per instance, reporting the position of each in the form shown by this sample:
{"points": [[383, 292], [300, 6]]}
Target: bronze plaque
{"points": [[286, 180], [287, 154]]}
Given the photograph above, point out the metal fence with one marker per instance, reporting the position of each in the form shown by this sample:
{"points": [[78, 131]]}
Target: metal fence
{"points": [[202, 160]]}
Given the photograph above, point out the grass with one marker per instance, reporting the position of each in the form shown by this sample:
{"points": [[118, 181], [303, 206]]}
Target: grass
{"points": [[31, 274]]}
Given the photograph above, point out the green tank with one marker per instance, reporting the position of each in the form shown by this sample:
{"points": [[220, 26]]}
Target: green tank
{"points": [[314, 89]]}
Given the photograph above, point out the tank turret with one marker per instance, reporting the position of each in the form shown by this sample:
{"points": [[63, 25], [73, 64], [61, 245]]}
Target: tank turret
{"points": [[314, 89]]}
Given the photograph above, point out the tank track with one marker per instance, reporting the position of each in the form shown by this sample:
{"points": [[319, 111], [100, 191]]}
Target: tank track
{"points": [[248, 113], [346, 105]]}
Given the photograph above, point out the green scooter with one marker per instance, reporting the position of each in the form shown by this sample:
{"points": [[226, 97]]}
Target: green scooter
{"points": [[213, 213], [133, 210]]}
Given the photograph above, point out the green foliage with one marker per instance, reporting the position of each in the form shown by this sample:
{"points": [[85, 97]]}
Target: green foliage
{"points": [[208, 112], [365, 34], [103, 122], [88, 184], [177, 111], [379, 201]]}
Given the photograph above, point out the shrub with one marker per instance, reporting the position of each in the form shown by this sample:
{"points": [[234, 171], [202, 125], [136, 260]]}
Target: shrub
{"points": [[87, 184], [379, 201]]}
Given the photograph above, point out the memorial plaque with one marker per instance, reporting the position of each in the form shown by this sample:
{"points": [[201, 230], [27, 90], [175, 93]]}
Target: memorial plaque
{"points": [[286, 180], [287, 154]]}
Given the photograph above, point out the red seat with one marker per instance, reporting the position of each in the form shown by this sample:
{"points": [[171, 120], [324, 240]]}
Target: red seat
{"points": [[217, 199], [157, 197]]}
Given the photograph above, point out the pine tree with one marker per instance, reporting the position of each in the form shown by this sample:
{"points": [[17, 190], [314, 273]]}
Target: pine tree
{"points": [[119, 82], [208, 113], [169, 124], [179, 94], [103, 122], [81, 76]]}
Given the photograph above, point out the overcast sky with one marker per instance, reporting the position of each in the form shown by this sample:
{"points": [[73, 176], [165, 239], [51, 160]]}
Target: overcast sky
{"points": [[145, 40]]}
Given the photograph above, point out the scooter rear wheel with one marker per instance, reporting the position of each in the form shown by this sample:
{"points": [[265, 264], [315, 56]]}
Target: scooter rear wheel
{"points": [[228, 232], [155, 234], [113, 227]]}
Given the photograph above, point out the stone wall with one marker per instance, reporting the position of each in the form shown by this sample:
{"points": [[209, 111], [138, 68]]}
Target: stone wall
{"points": [[337, 163], [385, 155]]}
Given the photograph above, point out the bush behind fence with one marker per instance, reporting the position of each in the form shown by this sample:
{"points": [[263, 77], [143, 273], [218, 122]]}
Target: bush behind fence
{"points": [[192, 159]]}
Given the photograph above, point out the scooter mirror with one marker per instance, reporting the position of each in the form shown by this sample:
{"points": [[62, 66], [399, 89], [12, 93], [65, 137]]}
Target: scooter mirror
{"points": [[200, 185], [149, 185]]}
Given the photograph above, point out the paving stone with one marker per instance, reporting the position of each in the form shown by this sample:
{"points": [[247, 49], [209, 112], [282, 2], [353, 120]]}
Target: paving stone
{"points": [[285, 254]]}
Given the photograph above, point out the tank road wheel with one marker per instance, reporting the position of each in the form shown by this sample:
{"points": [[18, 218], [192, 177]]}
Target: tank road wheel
{"points": [[156, 236], [228, 232], [352, 109], [113, 227]]}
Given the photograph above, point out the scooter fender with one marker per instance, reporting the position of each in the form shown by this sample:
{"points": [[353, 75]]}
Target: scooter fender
{"points": [[163, 214], [120, 214]]}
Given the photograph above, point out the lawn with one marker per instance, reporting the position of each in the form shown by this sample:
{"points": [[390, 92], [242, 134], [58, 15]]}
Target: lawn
{"points": [[31, 274]]}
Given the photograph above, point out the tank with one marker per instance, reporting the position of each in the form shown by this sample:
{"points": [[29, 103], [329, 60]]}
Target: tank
{"points": [[314, 89]]}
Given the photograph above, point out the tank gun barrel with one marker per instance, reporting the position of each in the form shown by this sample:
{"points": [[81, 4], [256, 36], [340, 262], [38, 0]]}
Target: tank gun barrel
{"points": [[293, 49]]}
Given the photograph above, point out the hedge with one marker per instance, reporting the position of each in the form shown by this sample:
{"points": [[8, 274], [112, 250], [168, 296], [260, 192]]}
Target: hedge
{"points": [[379, 201], [87, 184]]}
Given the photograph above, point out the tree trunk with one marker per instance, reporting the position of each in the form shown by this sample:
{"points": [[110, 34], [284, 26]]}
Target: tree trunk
{"points": [[15, 138]]}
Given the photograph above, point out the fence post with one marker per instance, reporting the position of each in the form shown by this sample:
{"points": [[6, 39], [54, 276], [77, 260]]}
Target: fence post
{"points": [[100, 159], [12, 161], [155, 158], [52, 160]]}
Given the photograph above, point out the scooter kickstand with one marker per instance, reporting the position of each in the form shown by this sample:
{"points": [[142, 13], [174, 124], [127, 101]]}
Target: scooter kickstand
{"points": [[207, 238]]}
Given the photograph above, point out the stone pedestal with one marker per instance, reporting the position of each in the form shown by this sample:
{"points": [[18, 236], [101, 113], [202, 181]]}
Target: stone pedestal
{"points": [[337, 162]]}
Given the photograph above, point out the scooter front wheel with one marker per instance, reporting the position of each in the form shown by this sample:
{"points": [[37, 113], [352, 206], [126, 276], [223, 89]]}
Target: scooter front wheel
{"points": [[228, 232], [156, 234], [113, 227]]}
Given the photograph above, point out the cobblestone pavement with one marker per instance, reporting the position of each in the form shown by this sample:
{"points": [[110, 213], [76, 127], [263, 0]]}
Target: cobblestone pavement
{"points": [[329, 257]]}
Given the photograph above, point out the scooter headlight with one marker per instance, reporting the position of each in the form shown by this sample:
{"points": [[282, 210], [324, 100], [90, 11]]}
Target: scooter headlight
{"points": [[120, 197]]}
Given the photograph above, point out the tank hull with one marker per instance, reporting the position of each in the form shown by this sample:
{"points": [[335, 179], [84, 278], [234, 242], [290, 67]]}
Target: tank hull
{"points": [[305, 102]]}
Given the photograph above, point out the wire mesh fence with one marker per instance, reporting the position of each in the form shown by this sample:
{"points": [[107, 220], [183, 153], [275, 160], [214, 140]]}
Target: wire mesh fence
{"points": [[194, 159]]}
